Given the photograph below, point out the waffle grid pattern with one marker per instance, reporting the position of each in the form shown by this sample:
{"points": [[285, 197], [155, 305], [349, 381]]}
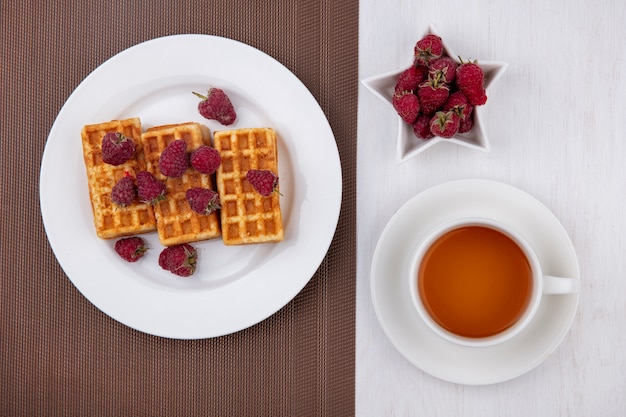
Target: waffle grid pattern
{"points": [[111, 220], [176, 222], [246, 215]]}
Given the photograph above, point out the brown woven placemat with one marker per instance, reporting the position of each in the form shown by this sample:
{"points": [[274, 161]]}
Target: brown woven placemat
{"points": [[59, 355]]}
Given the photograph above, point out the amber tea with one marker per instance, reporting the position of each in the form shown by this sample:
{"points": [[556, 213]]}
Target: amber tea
{"points": [[475, 281]]}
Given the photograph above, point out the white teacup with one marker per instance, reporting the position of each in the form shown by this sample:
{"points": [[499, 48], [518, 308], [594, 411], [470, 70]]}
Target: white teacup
{"points": [[477, 282]]}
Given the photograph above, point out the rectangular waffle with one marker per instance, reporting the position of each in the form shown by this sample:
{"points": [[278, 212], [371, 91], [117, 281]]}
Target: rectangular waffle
{"points": [[176, 222], [246, 215], [111, 220]]}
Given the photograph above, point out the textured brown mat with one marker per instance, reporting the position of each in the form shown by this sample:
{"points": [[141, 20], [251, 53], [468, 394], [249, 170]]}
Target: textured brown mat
{"points": [[59, 355]]}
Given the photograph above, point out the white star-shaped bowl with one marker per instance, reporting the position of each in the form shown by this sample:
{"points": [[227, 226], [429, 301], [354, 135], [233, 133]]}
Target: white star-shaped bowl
{"points": [[409, 145]]}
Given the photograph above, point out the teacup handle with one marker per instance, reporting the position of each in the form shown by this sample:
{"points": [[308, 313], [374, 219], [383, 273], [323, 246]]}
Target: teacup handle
{"points": [[560, 285]]}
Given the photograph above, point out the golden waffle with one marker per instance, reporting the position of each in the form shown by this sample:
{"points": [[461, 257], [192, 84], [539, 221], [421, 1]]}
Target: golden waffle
{"points": [[111, 220], [176, 222], [246, 215]]}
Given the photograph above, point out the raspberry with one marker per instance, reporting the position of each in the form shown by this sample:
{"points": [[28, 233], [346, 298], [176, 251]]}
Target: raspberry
{"points": [[458, 103], [174, 160], [264, 181], [432, 95], [179, 259], [407, 105], [206, 159], [117, 148], [421, 127], [428, 48], [124, 191], [131, 249], [217, 106], [445, 124], [444, 68], [202, 200], [149, 189], [466, 124], [471, 81], [411, 78], [447, 91]]}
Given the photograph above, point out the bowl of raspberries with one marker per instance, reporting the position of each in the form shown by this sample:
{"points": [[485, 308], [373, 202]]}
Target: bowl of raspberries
{"points": [[438, 97]]}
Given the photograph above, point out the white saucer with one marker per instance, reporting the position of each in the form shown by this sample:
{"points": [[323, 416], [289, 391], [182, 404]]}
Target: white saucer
{"points": [[409, 334]]}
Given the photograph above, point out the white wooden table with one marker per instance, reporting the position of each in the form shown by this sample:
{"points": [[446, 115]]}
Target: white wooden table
{"points": [[556, 122]]}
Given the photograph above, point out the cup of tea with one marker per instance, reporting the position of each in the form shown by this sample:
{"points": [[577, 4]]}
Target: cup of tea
{"points": [[477, 282]]}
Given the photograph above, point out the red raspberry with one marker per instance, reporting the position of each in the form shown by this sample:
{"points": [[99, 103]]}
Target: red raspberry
{"points": [[407, 105], [264, 181], [466, 124], [131, 249], [202, 200], [206, 159], [421, 127], [444, 68], [432, 95], [179, 259], [124, 191], [117, 148], [458, 103], [149, 189], [445, 124], [217, 106], [411, 78], [174, 160], [428, 48], [471, 81]]}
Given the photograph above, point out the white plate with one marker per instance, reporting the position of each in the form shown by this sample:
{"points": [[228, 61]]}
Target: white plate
{"points": [[233, 287], [409, 334]]}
